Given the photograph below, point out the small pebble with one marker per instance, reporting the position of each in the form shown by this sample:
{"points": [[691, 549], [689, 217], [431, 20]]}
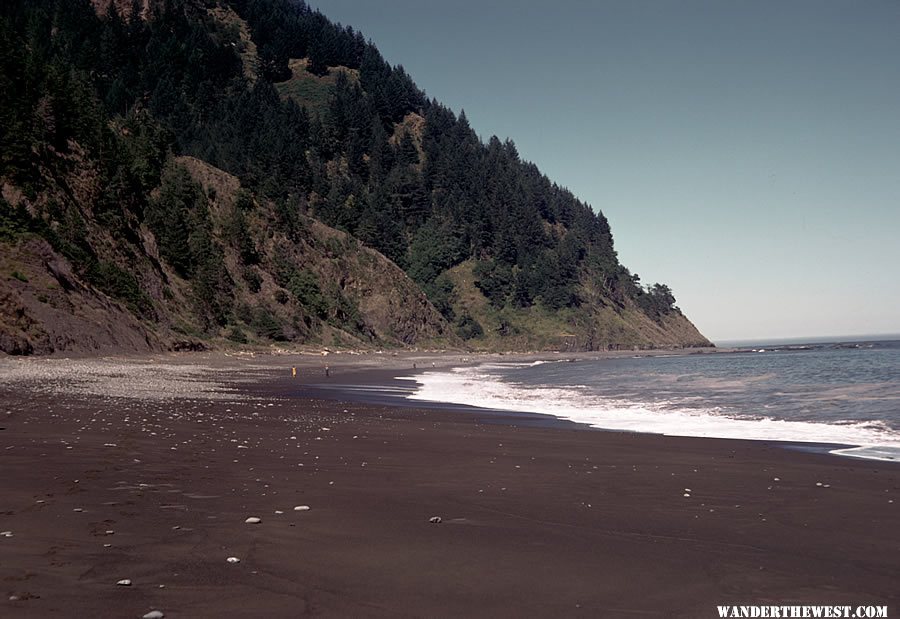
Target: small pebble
{"points": [[435, 520], [301, 508], [125, 582], [253, 520], [233, 560], [6, 533], [154, 614]]}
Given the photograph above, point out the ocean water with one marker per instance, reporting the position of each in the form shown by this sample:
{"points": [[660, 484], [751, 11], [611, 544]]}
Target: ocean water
{"points": [[843, 394]]}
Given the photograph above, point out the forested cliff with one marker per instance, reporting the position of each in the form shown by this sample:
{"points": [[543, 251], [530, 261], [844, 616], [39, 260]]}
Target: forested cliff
{"points": [[184, 173]]}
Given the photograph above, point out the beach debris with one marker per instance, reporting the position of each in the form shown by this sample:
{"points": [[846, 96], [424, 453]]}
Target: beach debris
{"points": [[776, 479], [253, 520], [125, 582], [154, 614], [233, 560], [687, 495], [301, 508], [435, 520], [819, 484], [78, 509], [278, 511], [6, 533]]}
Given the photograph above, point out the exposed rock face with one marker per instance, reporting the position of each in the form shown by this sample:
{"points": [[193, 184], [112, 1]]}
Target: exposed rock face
{"points": [[46, 309], [110, 243]]}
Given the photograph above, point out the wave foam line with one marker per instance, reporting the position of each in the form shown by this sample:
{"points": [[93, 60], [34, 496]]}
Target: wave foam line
{"points": [[472, 387]]}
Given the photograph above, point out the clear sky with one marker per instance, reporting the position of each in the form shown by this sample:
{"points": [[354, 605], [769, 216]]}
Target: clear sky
{"points": [[747, 153]]}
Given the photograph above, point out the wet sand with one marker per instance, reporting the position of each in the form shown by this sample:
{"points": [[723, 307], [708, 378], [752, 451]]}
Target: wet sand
{"points": [[536, 520]]}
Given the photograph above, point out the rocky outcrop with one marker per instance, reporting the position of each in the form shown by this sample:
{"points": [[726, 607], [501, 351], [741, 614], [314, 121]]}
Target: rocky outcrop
{"points": [[45, 308]]}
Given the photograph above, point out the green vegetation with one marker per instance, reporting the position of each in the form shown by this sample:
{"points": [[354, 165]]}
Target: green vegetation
{"points": [[656, 301], [327, 129], [307, 90], [304, 286], [120, 284]]}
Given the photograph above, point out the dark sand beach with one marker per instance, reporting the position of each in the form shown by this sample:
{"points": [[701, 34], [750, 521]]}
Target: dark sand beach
{"points": [[536, 520]]}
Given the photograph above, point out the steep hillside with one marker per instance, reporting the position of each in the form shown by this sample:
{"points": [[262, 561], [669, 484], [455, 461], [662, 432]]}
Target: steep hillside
{"points": [[305, 282], [179, 174]]}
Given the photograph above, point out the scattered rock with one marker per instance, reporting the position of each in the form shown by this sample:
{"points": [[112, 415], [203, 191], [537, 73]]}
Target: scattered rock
{"points": [[301, 508], [154, 614], [125, 582], [233, 560], [435, 520], [6, 533], [253, 520]]}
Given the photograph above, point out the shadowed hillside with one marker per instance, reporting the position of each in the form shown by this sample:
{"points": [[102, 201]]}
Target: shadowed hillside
{"points": [[180, 174]]}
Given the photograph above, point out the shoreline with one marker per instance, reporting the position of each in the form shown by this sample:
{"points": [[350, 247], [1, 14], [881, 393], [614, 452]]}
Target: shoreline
{"points": [[536, 520], [394, 383], [382, 369]]}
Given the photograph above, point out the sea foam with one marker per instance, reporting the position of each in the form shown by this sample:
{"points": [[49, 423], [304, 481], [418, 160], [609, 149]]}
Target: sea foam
{"points": [[476, 386]]}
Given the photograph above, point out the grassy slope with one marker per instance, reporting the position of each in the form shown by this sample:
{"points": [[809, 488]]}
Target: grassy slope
{"points": [[311, 90], [589, 327], [60, 312]]}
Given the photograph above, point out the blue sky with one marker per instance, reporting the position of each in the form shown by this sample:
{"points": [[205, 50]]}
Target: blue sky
{"points": [[746, 153]]}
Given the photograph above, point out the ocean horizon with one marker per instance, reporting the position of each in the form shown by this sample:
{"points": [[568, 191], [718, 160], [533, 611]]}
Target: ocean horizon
{"points": [[841, 392], [810, 339]]}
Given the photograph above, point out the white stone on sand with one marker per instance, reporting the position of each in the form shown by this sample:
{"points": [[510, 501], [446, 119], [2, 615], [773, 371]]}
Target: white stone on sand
{"points": [[435, 520], [233, 560], [154, 614], [301, 508], [125, 582], [253, 520]]}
